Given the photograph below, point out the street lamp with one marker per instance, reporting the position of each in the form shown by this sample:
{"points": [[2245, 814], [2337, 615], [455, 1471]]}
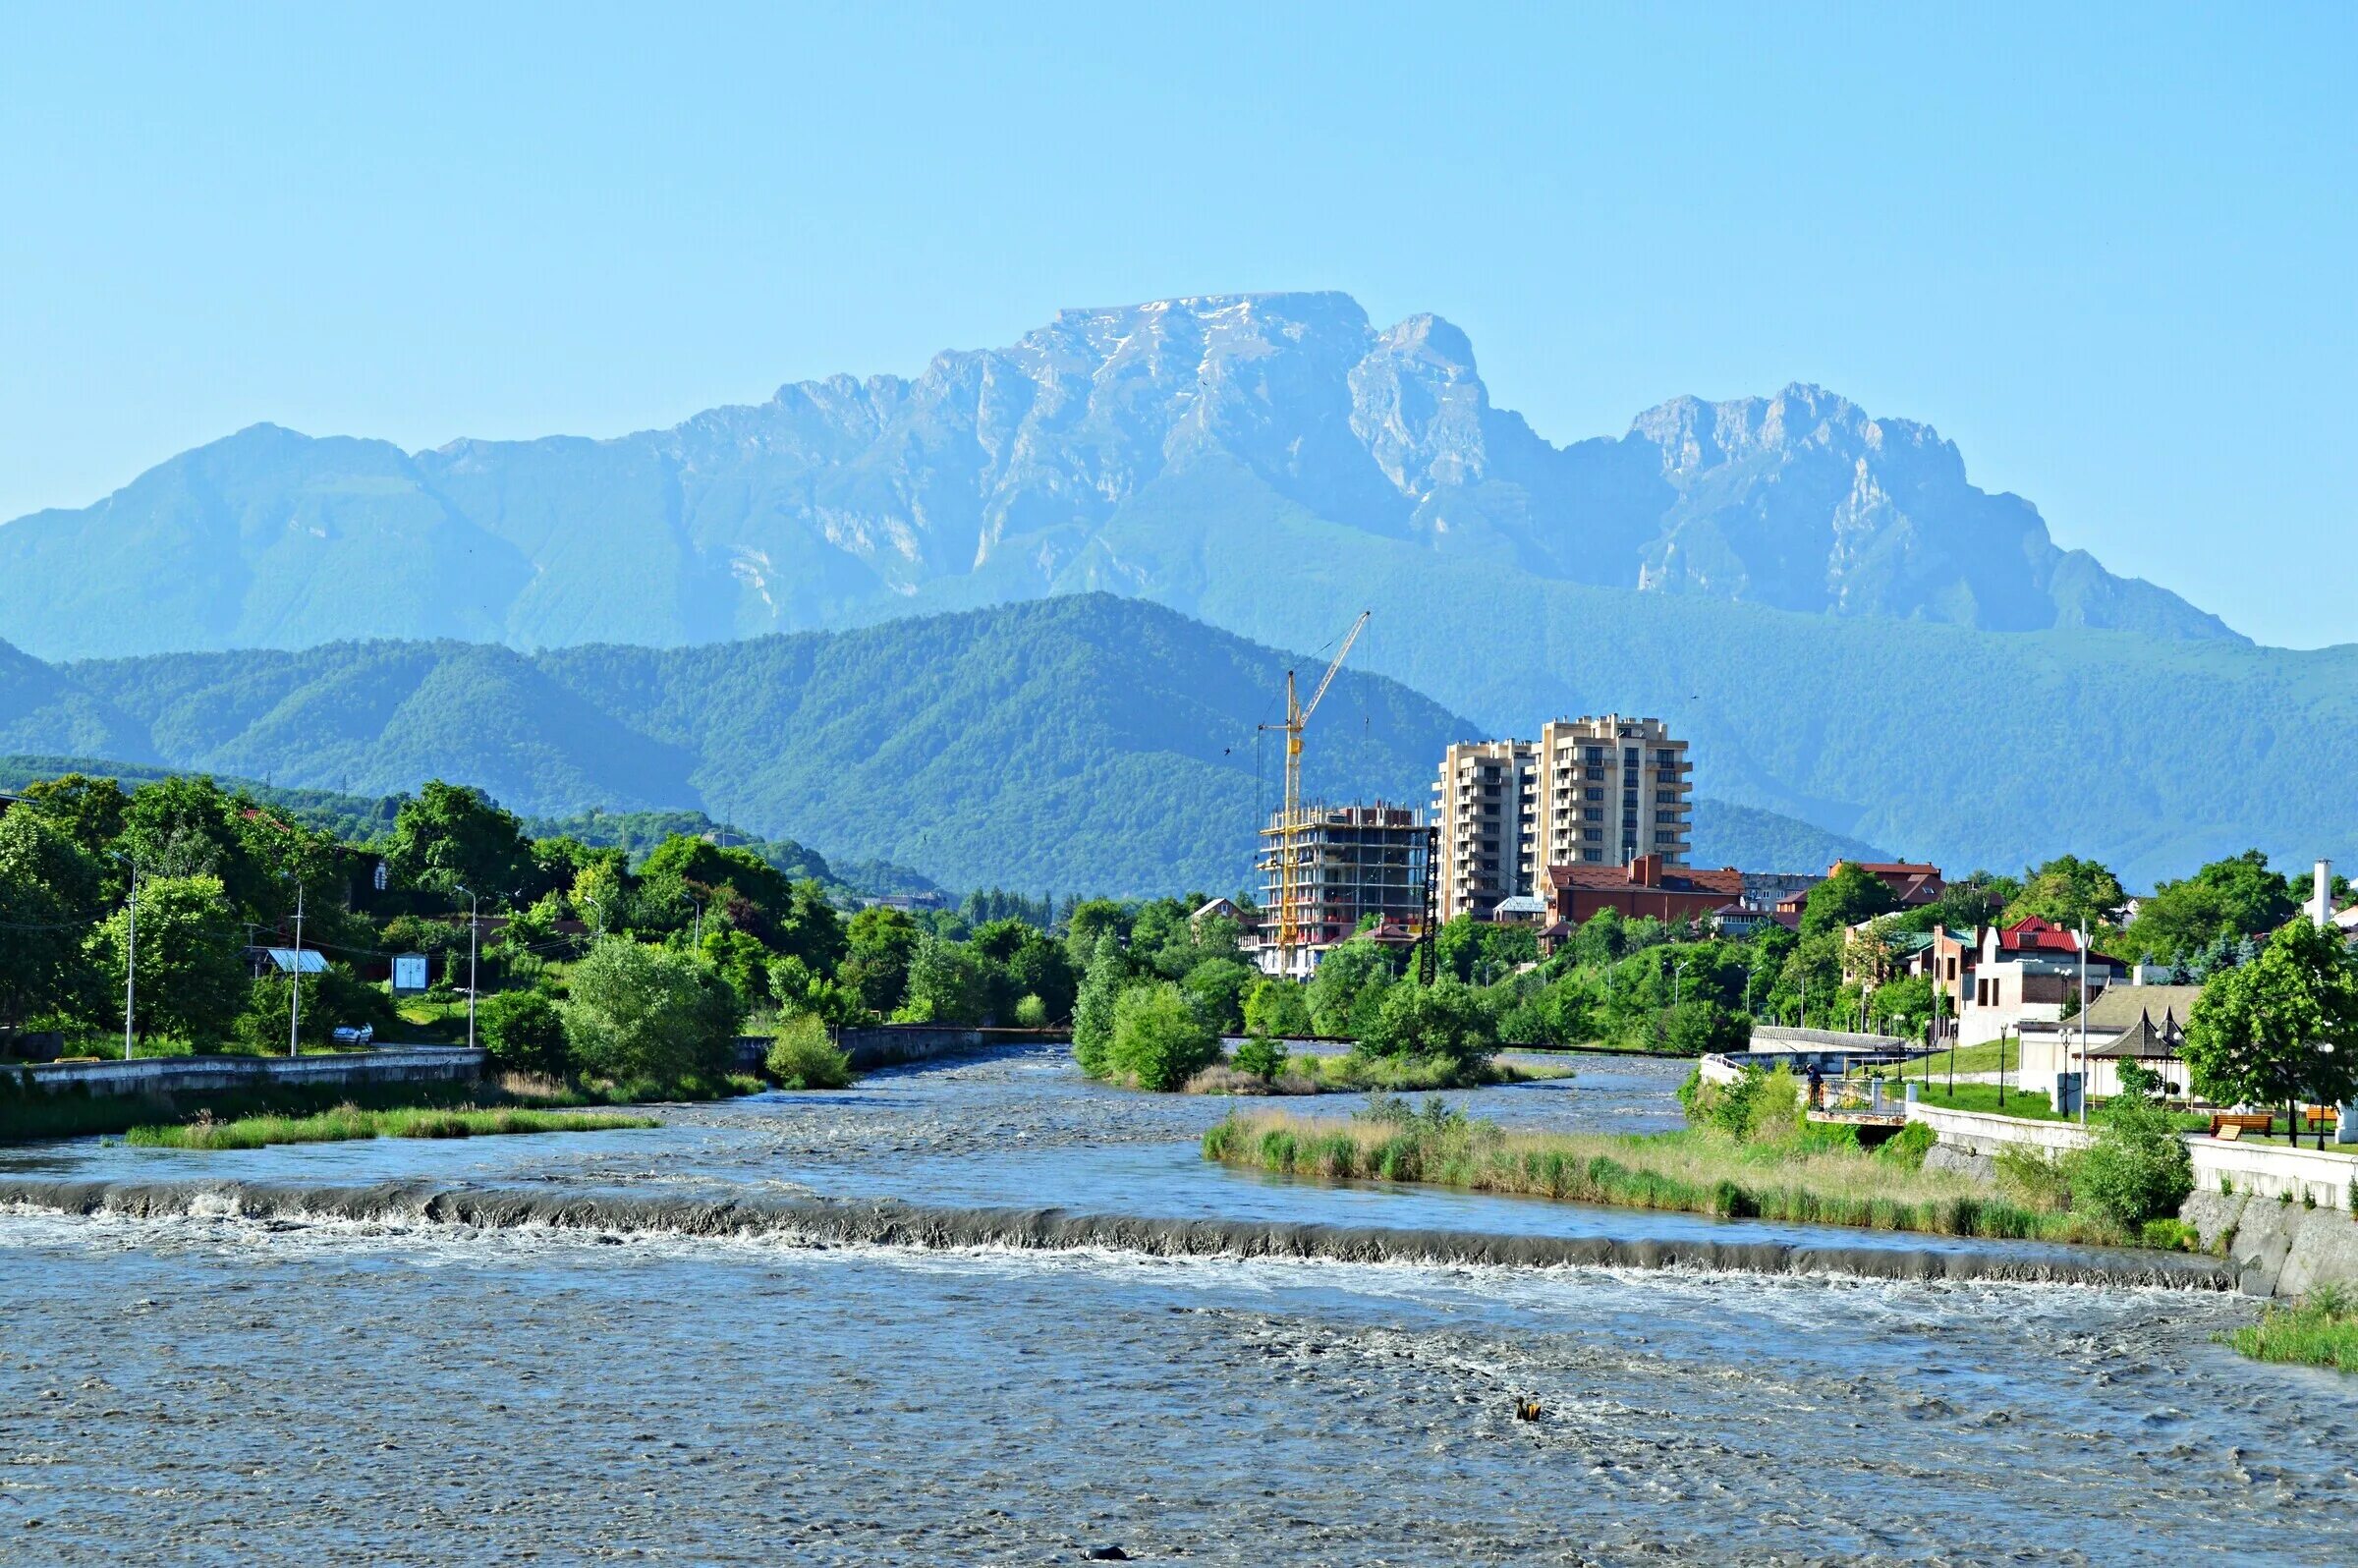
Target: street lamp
{"points": [[131, 956], [471, 905], [295, 976]]}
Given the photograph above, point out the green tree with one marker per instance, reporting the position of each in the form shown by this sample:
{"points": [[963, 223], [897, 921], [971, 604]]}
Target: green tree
{"points": [[1347, 984], [2069, 892], [1850, 895], [1216, 988], [1601, 939], [803, 1056], [1278, 1008], [2226, 899], [87, 810], [1447, 1020], [48, 894], [655, 1014], [945, 987], [332, 999], [451, 836], [881, 942], [1093, 1011], [1086, 923], [1697, 1027], [524, 1033], [191, 984], [181, 828], [1158, 1042], [2280, 1028]]}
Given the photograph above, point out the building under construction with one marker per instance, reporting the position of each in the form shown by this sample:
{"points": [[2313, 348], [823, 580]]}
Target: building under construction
{"points": [[1331, 867]]}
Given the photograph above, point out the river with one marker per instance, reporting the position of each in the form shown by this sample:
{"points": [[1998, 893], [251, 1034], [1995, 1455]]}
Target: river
{"points": [[336, 1367]]}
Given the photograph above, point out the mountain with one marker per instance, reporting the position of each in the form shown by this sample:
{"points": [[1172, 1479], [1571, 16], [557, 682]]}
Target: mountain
{"points": [[1087, 742], [1018, 472]]}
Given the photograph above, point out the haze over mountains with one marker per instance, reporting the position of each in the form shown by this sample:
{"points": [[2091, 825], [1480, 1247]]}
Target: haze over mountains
{"points": [[1853, 634]]}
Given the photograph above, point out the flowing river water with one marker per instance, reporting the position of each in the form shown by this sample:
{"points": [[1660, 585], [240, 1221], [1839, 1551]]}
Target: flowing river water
{"points": [[838, 1328]]}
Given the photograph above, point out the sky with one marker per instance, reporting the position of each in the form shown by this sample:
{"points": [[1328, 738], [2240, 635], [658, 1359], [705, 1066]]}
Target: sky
{"points": [[2112, 254]]}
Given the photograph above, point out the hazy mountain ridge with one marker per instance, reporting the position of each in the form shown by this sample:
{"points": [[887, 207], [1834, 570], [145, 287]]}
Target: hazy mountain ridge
{"points": [[1086, 742], [994, 473]]}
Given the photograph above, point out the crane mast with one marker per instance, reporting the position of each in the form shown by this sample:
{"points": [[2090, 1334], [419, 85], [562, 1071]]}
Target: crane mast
{"points": [[1291, 884]]}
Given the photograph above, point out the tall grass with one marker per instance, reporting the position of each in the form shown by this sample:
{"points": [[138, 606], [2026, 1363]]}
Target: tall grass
{"points": [[343, 1123], [1821, 1180], [2321, 1330]]}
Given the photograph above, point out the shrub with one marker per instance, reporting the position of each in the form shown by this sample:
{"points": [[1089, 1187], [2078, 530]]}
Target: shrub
{"points": [[2028, 1175], [1447, 1019], [1031, 1012], [1260, 1056], [1158, 1042], [1909, 1145], [524, 1033], [1092, 1009], [648, 1013], [2138, 1169], [804, 1057]]}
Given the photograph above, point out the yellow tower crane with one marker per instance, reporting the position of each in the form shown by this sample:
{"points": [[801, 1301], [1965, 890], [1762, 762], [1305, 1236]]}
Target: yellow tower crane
{"points": [[1290, 821]]}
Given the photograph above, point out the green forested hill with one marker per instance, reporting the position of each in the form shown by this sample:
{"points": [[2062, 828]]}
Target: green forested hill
{"points": [[1080, 744]]}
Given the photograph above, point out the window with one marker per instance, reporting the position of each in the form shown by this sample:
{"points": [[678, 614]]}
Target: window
{"points": [[1665, 796], [1666, 838], [1591, 855], [1595, 835], [1592, 755], [1592, 814], [1666, 817], [1592, 793]]}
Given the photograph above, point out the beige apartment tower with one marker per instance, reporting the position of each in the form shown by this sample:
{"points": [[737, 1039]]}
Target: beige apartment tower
{"points": [[1603, 790]]}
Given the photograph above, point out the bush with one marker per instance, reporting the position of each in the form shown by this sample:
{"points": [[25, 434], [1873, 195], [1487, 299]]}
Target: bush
{"points": [[1032, 1012], [2138, 1169], [1909, 1145], [2028, 1176], [1447, 1019], [1277, 1008], [524, 1033], [1697, 1027], [652, 1013], [1159, 1043], [804, 1057], [1259, 1056]]}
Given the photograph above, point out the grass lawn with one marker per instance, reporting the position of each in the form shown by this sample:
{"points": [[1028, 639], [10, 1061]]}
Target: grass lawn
{"points": [[2030, 1105]]}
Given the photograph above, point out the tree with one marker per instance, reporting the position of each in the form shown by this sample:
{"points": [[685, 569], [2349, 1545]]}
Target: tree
{"points": [[1278, 1008], [1259, 1057], [524, 1033], [637, 1012], [1347, 983], [191, 981], [2280, 1028], [1158, 1042], [880, 943], [1447, 1020], [945, 987], [1086, 923], [332, 999], [1697, 1027], [2069, 892], [1603, 938], [2226, 899], [1850, 895], [1216, 988], [736, 881], [1093, 1009], [89, 810], [48, 892], [450, 836], [182, 828]]}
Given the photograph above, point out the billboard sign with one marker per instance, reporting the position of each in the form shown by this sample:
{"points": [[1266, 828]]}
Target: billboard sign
{"points": [[409, 974]]}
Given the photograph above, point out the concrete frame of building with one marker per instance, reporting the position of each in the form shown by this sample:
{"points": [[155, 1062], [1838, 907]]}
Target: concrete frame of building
{"points": [[1351, 861]]}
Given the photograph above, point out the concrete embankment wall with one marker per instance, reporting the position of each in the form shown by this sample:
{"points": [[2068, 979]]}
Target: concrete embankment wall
{"points": [[163, 1076]]}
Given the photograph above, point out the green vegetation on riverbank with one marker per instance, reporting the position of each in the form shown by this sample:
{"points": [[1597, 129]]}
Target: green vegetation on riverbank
{"points": [[1354, 1073], [343, 1123], [1830, 1181], [2318, 1331]]}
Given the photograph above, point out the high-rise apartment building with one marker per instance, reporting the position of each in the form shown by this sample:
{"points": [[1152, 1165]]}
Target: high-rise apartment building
{"points": [[1596, 791]]}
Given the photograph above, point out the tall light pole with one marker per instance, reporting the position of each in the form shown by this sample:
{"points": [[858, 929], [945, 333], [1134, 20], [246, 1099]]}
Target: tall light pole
{"points": [[472, 903]]}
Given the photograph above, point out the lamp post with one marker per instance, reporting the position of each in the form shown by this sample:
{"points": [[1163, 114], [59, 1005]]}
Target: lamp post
{"points": [[2084, 1022], [295, 976], [131, 959], [472, 902]]}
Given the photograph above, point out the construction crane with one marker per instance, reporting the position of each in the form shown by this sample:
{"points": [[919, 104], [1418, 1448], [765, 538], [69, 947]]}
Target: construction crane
{"points": [[1290, 824]]}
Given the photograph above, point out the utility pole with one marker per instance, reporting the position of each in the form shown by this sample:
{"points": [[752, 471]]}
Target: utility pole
{"points": [[295, 1008], [2083, 1021]]}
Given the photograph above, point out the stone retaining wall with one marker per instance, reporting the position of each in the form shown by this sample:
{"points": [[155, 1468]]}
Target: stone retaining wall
{"points": [[2317, 1177], [1981, 1132]]}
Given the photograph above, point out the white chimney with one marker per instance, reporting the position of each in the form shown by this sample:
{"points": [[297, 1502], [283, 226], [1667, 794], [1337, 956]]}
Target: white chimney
{"points": [[2321, 901]]}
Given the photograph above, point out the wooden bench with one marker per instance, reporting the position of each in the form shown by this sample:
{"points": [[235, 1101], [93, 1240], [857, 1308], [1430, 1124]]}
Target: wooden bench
{"points": [[2317, 1116], [2234, 1124]]}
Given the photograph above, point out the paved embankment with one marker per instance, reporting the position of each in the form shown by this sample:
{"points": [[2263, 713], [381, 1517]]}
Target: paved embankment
{"points": [[166, 1076]]}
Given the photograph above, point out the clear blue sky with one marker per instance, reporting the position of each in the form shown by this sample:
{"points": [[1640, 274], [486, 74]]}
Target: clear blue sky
{"points": [[2112, 254]]}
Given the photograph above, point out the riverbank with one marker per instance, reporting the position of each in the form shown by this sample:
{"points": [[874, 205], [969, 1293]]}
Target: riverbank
{"points": [[1696, 1171]]}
